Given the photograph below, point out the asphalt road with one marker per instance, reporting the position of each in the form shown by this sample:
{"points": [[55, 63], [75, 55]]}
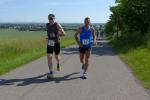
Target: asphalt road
{"points": [[108, 79]]}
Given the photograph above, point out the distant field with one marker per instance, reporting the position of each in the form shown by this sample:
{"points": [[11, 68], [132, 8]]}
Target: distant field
{"points": [[20, 47]]}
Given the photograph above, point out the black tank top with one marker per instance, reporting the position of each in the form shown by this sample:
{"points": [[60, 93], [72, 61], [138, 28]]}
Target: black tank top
{"points": [[52, 32]]}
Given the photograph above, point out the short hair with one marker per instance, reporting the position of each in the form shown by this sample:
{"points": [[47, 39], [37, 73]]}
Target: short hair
{"points": [[51, 15], [87, 18]]}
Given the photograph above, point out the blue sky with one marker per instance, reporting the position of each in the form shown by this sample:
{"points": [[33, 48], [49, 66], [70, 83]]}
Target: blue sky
{"points": [[65, 10]]}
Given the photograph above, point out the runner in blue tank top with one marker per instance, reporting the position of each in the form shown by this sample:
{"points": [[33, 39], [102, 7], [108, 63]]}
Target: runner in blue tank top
{"points": [[85, 37]]}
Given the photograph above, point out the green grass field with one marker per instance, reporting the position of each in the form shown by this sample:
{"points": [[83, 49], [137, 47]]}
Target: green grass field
{"points": [[138, 59], [20, 47]]}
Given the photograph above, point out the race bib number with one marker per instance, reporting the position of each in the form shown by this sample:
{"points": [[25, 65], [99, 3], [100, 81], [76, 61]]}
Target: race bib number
{"points": [[51, 43], [85, 41]]}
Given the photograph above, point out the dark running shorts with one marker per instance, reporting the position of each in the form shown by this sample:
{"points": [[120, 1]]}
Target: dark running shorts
{"points": [[84, 49], [55, 48]]}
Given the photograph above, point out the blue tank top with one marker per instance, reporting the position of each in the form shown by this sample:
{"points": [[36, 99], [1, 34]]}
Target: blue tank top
{"points": [[86, 37]]}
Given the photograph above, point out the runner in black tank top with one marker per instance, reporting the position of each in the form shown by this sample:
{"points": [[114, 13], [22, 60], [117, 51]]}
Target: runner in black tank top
{"points": [[54, 31]]}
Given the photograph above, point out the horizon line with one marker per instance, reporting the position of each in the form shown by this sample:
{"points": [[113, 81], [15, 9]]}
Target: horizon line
{"points": [[45, 22]]}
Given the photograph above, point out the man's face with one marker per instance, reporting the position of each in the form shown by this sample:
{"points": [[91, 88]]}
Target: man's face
{"points": [[87, 22], [51, 19]]}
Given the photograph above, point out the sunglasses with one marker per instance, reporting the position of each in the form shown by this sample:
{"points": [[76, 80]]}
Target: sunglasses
{"points": [[50, 18]]}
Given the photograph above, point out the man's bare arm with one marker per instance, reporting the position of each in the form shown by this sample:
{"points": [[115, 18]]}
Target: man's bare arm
{"points": [[61, 30], [94, 35]]}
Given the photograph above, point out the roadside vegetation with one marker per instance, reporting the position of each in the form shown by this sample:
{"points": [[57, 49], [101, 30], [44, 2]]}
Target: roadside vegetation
{"points": [[128, 32], [20, 47]]}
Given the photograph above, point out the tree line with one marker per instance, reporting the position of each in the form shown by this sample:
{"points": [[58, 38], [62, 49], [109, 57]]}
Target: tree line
{"points": [[130, 20], [42, 26]]}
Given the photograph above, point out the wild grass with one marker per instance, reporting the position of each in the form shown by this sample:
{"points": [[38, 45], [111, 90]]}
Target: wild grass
{"points": [[136, 56], [20, 47]]}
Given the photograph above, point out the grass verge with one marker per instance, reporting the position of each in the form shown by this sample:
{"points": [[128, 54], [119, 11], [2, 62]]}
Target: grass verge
{"points": [[18, 48], [137, 57]]}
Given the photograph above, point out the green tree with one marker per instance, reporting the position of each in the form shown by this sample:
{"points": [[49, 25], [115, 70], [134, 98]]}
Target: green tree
{"points": [[131, 18]]}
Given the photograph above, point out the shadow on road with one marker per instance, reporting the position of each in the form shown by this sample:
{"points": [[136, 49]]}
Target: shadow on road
{"points": [[70, 51], [37, 80], [66, 78], [101, 49]]}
